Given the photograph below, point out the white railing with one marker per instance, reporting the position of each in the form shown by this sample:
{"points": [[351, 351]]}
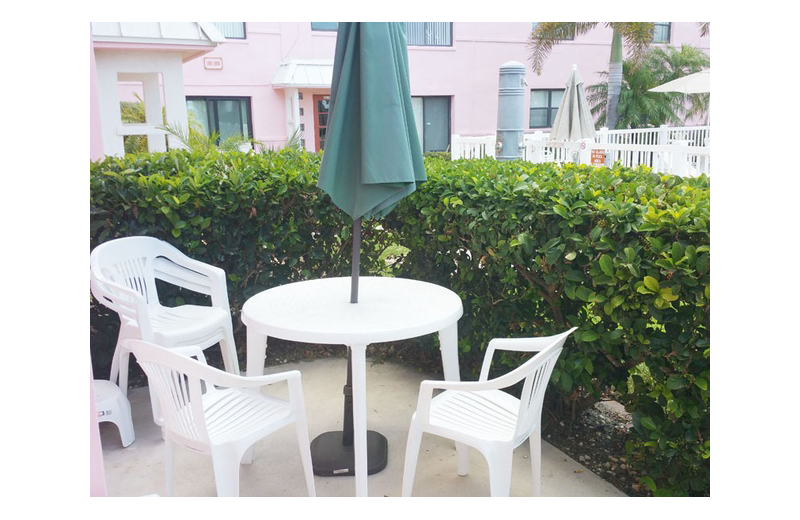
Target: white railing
{"points": [[678, 158], [695, 135], [677, 150], [471, 147]]}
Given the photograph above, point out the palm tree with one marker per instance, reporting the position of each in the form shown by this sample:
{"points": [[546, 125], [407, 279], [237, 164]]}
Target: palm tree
{"points": [[640, 108], [637, 37]]}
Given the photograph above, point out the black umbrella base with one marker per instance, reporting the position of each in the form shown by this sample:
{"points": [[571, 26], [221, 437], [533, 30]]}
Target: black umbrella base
{"points": [[331, 458]]}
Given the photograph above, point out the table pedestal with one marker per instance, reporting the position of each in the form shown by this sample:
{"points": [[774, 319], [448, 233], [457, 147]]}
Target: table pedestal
{"points": [[330, 457], [332, 453]]}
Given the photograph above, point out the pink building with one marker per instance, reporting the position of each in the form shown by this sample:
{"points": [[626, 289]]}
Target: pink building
{"points": [[270, 78]]}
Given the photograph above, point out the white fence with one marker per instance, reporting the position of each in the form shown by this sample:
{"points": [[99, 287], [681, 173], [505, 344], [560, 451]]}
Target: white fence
{"points": [[676, 150]]}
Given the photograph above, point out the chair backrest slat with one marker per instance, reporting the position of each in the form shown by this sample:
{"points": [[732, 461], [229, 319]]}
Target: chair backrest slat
{"points": [[533, 390], [535, 373], [132, 272], [180, 399]]}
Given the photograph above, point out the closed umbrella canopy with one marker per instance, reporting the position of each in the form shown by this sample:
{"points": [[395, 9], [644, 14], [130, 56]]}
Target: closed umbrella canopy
{"points": [[697, 83], [573, 120], [372, 156]]}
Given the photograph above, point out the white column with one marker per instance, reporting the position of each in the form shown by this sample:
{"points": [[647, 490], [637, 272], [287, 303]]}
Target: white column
{"points": [[108, 103], [175, 99], [292, 111]]}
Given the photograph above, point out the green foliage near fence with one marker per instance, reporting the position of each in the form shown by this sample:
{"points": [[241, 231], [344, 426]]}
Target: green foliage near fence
{"points": [[531, 249]]}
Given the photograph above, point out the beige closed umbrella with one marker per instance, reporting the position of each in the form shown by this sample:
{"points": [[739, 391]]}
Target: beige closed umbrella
{"points": [[573, 120]]}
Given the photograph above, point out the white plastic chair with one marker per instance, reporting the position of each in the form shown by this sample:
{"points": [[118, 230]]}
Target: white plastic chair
{"points": [[123, 278], [211, 411], [112, 406], [481, 415]]}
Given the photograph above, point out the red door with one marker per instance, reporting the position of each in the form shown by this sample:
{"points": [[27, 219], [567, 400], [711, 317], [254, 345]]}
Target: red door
{"points": [[321, 103]]}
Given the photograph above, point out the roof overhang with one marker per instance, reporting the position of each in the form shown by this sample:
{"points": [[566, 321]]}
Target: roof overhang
{"points": [[304, 74], [190, 39]]}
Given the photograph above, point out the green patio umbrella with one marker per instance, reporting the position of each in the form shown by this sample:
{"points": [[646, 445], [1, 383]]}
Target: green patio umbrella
{"points": [[372, 159], [372, 156]]}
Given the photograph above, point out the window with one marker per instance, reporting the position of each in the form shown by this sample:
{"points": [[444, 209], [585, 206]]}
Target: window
{"points": [[432, 117], [661, 32], [544, 105], [225, 116], [232, 30], [429, 33], [437, 34], [324, 26]]}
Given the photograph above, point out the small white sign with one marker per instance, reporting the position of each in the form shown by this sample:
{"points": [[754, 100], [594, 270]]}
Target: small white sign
{"points": [[212, 63]]}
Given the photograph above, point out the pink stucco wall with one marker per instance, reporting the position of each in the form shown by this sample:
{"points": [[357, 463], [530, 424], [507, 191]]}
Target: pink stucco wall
{"points": [[249, 66], [468, 71]]}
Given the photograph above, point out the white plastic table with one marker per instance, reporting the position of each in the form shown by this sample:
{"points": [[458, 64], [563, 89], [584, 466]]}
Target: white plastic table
{"points": [[319, 311]]}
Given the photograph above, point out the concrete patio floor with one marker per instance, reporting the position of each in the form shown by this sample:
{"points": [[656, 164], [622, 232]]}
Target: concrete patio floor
{"points": [[138, 470]]}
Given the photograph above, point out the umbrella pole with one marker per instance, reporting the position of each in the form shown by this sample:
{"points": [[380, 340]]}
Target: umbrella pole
{"points": [[356, 260], [347, 423]]}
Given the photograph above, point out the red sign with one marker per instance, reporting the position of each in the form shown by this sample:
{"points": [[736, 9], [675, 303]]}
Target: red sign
{"points": [[598, 157]]}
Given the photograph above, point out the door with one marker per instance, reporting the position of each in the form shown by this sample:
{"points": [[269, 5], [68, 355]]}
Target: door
{"points": [[437, 124], [321, 104], [432, 117]]}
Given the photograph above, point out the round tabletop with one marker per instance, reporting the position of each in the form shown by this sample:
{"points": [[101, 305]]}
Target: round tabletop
{"points": [[319, 311]]}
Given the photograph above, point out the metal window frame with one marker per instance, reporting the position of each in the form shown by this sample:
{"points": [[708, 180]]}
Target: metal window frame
{"points": [[211, 110], [431, 44], [549, 108], [244, 31]]}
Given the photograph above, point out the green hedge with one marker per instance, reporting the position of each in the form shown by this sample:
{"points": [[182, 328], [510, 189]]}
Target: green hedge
{"points": [[622, 254], [260, 217], [531, 249]]}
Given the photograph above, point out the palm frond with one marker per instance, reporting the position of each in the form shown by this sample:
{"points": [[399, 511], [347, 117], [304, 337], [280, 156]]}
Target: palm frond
{"points": [[547, 35]]}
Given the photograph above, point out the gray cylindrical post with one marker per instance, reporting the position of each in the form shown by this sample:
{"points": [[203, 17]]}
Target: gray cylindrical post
{"points": [[510, 111]]}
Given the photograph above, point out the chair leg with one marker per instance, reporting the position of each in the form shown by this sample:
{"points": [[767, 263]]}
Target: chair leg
{"points": [[156, 408], [499, 462], [412, 455], [226, 473], [119, 367], [463, 459], [535, 442], [301, 426], [125, 423], [169, 466], [305, 455], [228, 347]]}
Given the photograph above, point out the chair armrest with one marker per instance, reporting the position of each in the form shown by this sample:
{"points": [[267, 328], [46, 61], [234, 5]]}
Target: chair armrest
{"points": [[521, 344], [427, 387], [191, 351], [127, 303], [219, 377], [178, 361], [512, 345], [178, 269], [517, 345]]}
